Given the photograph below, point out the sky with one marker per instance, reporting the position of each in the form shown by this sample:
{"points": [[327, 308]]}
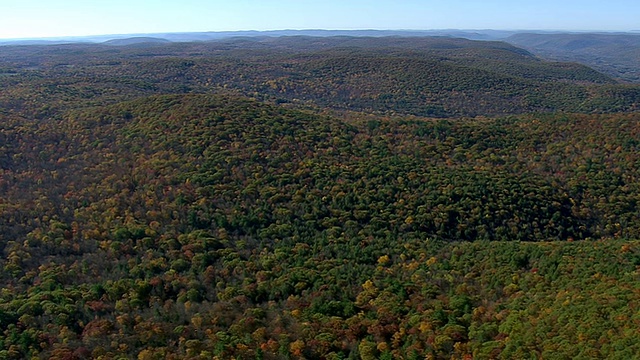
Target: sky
{"points": [[57, 18]]}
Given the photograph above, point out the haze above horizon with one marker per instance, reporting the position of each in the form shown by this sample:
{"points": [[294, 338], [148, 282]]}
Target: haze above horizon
{"points": [[44, 19]]}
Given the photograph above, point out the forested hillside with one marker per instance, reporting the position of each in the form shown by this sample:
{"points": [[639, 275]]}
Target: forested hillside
{"points": [[617, 55], [162, 202], [438, 77]]}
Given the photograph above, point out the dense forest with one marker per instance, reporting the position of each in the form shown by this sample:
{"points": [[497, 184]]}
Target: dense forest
{"points": [[316, 198], [435, 77]]}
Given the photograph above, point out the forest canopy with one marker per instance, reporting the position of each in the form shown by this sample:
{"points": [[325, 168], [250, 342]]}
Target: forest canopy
{"points": [[297, 198]]}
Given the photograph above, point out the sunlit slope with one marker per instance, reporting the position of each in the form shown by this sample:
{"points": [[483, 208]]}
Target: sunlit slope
{"points": [[190, 226], [255, 169]]}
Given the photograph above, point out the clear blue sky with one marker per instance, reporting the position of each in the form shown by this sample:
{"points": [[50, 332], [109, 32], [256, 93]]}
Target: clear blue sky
{"points": [[51, 18]]}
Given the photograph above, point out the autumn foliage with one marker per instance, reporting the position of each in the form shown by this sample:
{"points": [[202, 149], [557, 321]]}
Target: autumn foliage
{"points": [[142, 219]]}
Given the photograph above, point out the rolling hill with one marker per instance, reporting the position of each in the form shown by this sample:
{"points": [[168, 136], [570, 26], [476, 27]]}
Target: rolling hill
{"points": [[617, 55], [439, 77], [282, 198], [185, 226]]}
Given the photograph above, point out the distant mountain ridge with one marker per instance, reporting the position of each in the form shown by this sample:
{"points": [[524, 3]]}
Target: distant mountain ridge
{"points": [[424, 76], [617, 55], [217, 35], [136, 41], [471, 34], [614, 53]]}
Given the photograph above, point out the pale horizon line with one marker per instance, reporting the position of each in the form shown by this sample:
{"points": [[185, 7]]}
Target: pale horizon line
{"points": [[106, 35]]}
